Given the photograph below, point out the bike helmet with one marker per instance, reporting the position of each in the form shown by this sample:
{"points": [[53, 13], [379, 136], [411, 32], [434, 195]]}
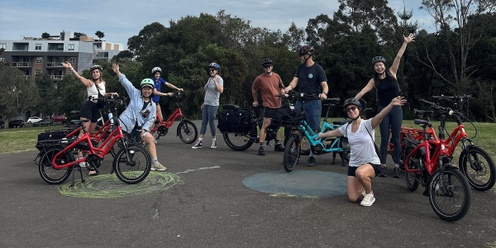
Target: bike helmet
{"points": [[352, 101], [156, 69], [95, 67], [215, 66], [267, 61], [147, 82], [306, 49], [378, 59]]}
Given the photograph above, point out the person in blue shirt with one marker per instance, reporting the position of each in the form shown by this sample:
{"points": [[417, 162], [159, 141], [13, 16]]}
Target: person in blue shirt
{"points": [[140, 112], [157, 92]]}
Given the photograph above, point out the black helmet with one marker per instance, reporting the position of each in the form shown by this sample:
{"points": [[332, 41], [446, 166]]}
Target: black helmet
{"points": [[156, 69], [378, 59], [306, 49], [95, 67], [352, 101], [267, 61]]}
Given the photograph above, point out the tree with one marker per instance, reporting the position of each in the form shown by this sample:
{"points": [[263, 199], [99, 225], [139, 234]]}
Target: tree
{"points": [[45, 35], [458, 30], [17, 93], [100, 34], [139, 44]]}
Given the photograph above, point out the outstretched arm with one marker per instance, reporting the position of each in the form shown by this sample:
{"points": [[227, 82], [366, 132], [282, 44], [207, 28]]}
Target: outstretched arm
{"points": [[370, 85], [397, 101], [173, 86], [83, 80], [396, 62]]}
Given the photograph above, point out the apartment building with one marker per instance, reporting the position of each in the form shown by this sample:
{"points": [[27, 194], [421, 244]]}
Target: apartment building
{"points": [[44, 56]]}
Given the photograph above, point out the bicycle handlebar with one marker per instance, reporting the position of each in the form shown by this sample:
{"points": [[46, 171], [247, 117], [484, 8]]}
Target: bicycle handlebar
{"points": [[460, 98], [443, 110]]}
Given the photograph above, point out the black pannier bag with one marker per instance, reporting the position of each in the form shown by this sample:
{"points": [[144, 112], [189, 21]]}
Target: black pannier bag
{"points": [[50, 138], [288, 117], [234, 120]]}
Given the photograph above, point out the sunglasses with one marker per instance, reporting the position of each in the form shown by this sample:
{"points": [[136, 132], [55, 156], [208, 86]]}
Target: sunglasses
{"points": [[211, 70], [351, 109], [266, 66]]}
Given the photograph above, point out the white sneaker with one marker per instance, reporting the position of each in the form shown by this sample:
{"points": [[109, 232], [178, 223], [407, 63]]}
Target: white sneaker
{"points": [[198, 145], [214, 145], [82, 164], [157, 166], [368, 200]]}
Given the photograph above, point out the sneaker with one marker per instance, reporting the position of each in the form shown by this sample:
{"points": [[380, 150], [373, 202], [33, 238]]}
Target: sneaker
{"points": [[383, 172], [368, 200], [261, 151], [278, 148], [311, 161], [363, 191], [198, 145], [396, 172], [82, 164], [157, 166], [214, 145]]}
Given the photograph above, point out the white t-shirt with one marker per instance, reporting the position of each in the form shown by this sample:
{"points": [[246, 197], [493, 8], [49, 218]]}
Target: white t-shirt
{"points": [[362, 150]]}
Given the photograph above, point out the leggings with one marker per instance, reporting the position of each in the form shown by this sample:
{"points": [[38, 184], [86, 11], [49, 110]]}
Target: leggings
{"points": [[208, 117], [393, 120]]}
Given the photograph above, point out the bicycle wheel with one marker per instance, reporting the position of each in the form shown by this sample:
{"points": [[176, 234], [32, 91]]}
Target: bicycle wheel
{"points": [[187, 131], [478, 168], [50, 174], [449, 194], [238, 141], [291, 153], [412, 181], [134, 169]]}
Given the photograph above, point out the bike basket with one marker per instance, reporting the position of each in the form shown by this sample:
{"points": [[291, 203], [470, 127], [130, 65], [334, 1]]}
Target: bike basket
{"points": [[288, 117], [237, 121]]}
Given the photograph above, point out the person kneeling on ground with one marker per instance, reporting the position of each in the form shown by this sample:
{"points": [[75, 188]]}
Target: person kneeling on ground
{"points": [[364, 160]]}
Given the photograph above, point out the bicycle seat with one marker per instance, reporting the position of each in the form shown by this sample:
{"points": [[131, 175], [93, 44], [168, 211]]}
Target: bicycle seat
{"points": [[230, 107], [422, 122]]}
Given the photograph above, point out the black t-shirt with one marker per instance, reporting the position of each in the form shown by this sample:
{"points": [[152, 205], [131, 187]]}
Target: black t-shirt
{"points": [[309, 78]]}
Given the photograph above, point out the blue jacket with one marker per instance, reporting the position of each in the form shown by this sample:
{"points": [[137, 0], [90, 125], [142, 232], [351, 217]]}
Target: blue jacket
{"points": [[132, 115]]}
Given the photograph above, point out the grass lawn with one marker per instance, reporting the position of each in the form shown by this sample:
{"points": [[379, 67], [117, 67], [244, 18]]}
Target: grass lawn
{"points": [[22, 139]]}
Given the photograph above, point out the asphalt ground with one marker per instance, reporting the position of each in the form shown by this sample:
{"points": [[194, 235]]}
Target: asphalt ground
{"points": [[222, 198]]}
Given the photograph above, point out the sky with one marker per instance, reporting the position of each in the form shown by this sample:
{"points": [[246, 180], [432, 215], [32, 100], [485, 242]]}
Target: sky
{"points": [[121, 19]]}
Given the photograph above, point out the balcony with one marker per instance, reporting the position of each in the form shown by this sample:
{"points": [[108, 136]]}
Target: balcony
{"points": [[57, 77], [21, 64], [54, 65]]}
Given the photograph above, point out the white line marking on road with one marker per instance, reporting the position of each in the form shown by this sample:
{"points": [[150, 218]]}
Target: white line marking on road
{"points": [[201, 168]]}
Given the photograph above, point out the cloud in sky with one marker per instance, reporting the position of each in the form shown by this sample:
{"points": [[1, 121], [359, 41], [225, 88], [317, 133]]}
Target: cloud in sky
{"points": [[122, 19]]}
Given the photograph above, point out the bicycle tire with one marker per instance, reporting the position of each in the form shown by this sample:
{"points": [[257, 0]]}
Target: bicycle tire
{"points": [[291, 153], [187, 131], [50, 174], [138, 170], [238, 141], [412, 181], [478, 167], [454, 203]]}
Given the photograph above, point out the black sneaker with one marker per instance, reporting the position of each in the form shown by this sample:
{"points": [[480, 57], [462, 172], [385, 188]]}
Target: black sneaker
{"points": [[311, 161], [261, 151], [396, 172], [198, 145], [383, 172], [278, 148]]}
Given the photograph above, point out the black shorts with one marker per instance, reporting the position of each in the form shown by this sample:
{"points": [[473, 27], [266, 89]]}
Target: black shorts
{"points": [[351, 170], [90, 111], [272, 113]]}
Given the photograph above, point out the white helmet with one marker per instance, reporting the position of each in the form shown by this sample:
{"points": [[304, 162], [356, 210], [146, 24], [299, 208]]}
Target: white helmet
{"points": [[155, 69]]}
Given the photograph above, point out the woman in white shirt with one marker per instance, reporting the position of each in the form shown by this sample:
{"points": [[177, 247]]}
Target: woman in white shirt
{"points": [[364, 161]]}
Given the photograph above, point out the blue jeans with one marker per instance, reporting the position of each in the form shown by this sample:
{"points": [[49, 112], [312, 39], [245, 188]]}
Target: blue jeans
{"points": [[393, 120], [208, 117], [313, 111]]}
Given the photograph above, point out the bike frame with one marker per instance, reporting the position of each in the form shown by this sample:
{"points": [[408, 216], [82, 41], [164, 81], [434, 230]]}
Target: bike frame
{"points": [[100, 150], [171, 119], [433, 161], [312, 136]]}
